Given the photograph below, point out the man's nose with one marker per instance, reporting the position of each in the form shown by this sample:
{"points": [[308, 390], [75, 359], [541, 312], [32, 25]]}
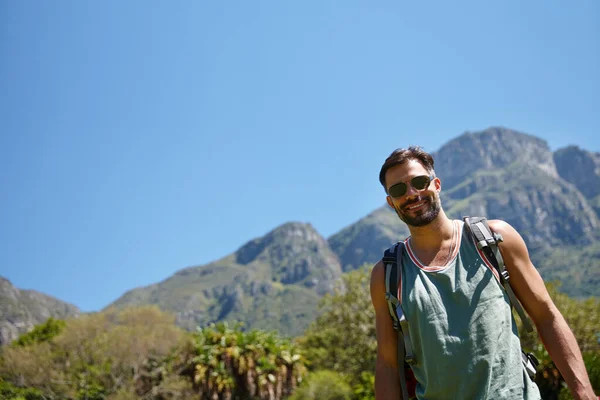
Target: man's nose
{"points": [[411, 191]]}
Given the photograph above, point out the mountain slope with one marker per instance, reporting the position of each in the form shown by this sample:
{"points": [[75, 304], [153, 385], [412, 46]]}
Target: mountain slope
{"points": [[21, 310], [490, 150], [272, 282], [364, 241], [582, 169]]}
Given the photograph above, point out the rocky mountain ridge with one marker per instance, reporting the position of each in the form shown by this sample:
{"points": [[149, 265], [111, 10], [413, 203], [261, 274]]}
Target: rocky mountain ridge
{"points": [[490, 150], [21, 310], [274, 281]]}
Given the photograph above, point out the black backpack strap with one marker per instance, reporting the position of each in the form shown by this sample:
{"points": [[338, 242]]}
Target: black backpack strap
{"points": [[392, 261], [487, 241], [392, 277]]}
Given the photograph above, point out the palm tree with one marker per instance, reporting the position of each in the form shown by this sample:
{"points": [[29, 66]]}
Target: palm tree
{"points": [[231, 363]]}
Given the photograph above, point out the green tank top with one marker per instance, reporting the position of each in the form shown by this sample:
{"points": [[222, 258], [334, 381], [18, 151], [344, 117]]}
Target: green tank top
{"points": [[461, 326]]}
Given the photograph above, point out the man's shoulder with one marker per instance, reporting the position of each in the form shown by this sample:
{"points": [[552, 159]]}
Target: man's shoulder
{"points": [[499, 226], [511, 238], [378, 271], [377, 285]]}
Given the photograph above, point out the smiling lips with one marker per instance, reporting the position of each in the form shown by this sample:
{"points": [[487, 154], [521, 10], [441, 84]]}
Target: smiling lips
{"points": [[415, 205]]}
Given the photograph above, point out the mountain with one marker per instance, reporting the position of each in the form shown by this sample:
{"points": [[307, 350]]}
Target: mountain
{"points": [[273, 282], [552, 199], [491, 150], [582, 169], [498, 173], [509, 175], [364, 241], [21, 310]]}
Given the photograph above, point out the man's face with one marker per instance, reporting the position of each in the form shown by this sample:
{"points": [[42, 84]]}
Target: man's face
{"points": [[415, 207]]}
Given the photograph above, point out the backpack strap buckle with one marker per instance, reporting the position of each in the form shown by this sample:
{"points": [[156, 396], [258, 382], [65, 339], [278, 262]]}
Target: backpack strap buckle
{"points": [[392, 299]]}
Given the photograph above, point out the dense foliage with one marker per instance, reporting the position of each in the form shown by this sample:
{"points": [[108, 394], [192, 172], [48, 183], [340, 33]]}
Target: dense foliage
{"points": [[107, 355], [233, 364], [41, 333], [342, 338], [139, 353], [324, 385], [583, 317]]}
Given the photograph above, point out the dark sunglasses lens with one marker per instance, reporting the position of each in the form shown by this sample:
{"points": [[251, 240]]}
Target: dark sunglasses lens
{"points": [[398, 190], [420, 182]]}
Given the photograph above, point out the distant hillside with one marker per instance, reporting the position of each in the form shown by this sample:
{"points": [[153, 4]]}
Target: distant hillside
{"points": [[273, 282], [21, 310]]}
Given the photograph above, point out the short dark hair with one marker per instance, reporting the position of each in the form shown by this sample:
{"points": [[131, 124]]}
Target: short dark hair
{"points": [[400, 156]]}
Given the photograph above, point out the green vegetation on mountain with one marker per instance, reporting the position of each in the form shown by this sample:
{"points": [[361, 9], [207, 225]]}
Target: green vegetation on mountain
{"points": [[364, 241], [575, 267]]}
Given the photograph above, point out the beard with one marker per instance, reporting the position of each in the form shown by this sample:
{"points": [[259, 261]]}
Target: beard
{"points": [[424, 216]]}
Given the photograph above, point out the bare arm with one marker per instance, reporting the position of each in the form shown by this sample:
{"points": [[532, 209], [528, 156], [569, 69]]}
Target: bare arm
{"points": [[554, 332], [387, 384]]}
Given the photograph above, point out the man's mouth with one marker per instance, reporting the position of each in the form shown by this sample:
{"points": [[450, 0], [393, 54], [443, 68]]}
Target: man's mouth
{"points": [[415, 205]]}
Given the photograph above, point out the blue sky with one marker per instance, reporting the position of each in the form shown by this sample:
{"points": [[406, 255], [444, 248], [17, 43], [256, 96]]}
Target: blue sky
{"points": [[141, 137]]}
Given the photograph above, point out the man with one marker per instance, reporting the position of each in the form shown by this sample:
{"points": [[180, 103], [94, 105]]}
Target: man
{"points": [[464, 337]]}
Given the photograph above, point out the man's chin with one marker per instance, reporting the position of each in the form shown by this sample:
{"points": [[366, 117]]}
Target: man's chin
{"points": [[420, 220]]}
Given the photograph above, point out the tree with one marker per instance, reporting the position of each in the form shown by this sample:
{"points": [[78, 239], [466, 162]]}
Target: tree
{"points": [[97, 355], [231, 363], [583, 317], [11, 392], [323, 385], [342, 338], [41, 333]]}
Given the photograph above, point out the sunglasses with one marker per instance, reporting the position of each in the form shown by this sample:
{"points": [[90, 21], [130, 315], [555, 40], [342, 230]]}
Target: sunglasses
{"points": [[418, 182]]}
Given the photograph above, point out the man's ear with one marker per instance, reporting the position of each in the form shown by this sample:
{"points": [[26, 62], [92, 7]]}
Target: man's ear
{"points": [[438, 183], [390, 202]]}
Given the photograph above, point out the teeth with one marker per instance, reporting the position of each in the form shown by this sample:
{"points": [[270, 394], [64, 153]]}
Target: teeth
{"points": [[419, 204]]}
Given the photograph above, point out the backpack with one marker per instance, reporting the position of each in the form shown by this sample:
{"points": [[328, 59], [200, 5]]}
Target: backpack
{"points": [[487, 241]]}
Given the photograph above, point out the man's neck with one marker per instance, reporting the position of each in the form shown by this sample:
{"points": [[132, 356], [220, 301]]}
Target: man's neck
{"points": [[432, 235]]}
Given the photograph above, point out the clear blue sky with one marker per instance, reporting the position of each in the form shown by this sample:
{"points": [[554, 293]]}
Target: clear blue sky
{"points": [[141, 137]]}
